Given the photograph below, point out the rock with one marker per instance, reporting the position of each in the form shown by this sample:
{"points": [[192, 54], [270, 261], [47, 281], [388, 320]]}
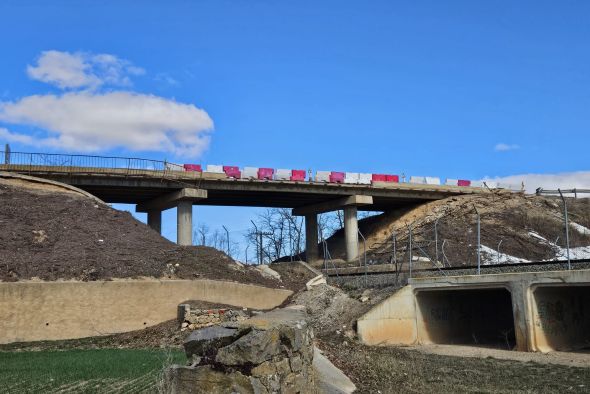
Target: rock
{"points": [[329, 379], [316, 281], [255, 347], [268, 272], [206, 341], [364, 299], [204, 379], [269, 353]]}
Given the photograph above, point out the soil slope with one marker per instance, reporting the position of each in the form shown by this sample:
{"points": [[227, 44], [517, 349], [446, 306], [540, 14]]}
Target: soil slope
{"points": [[529, 227], [50, 234]]}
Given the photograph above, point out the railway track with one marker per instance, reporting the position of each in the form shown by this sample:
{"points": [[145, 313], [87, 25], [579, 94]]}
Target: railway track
{"points": [[381, 269]]}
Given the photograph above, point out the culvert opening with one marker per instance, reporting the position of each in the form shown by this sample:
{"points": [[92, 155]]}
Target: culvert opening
{"points": [[561, 317], [477, 317]]}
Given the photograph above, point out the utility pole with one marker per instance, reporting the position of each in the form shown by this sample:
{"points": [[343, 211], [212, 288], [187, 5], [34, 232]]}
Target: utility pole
{"points": [[227, 235]]}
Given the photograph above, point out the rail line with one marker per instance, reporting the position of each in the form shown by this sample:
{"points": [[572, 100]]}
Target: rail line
{"points": [[361, 270]]}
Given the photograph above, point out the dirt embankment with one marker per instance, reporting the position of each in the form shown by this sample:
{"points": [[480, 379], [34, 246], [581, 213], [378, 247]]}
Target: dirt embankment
{"points": [[526, 227], [52, 234]]}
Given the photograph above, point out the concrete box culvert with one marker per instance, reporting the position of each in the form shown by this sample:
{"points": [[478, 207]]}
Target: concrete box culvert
{"points": [[561, 317], [467, 316]]}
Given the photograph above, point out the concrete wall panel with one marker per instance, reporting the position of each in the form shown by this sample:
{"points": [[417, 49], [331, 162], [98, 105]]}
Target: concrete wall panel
{"points": [[32, 311], [392, 322], [561, 318]]}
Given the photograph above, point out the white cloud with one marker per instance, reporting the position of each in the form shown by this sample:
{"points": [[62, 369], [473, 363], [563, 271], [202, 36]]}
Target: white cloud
{"points": [[82, 70], [501, 147], [565, 180], [90, 122]]}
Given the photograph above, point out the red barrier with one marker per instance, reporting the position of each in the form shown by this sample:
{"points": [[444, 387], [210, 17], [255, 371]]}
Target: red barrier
{"points": [[336, 177], [193, 167], [232, 172], [385, 178], [265, 173], [463, 182], [297, 175]]}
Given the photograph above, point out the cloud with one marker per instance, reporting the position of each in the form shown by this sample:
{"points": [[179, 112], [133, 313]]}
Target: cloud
{"points": [[82, 70], [90, 122], [501, 147], [565, 180], [165, 78]]}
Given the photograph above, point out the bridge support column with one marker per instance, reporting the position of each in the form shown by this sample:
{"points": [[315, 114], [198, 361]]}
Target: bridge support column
{"points": [[184, 223], [351, 229], [154, 220], [311, 237]]}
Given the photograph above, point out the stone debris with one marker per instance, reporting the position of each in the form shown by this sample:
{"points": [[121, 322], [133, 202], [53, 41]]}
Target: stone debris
{"points": [[318, 280], [270, 353], [193, 318], [268, 272]]}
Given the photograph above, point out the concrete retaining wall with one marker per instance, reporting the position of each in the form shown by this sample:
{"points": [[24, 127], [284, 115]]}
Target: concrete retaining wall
{"points": [[32, 311]]}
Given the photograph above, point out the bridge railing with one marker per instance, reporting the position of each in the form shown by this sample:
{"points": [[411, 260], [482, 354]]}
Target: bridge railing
{"points": [[81, 163]]}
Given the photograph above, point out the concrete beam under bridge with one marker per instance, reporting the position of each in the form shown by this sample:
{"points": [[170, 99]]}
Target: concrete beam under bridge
{"points": [[170, 200], [349, 204], [183, 200], [333, 205]]}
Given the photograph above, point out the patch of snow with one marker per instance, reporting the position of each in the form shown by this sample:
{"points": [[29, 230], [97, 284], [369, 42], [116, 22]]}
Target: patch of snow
{"points": [[582, 252], [536, 235], [491, 257], [581, 229]]}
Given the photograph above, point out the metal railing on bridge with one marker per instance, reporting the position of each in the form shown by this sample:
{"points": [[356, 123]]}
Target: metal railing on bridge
{"points": [[21, 161]]}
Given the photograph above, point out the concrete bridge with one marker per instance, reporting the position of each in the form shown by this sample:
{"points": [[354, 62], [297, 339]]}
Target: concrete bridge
{"points": [[153, 187]]}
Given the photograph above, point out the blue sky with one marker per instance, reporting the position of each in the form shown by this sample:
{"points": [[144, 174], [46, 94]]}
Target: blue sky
{"points": [[457, 89]]}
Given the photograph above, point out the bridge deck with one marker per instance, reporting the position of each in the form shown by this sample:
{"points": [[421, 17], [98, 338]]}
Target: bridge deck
{"points": [[128, 185]]}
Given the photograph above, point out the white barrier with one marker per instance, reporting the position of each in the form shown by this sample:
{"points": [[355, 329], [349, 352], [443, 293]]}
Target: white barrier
{"points": [[365, 179], [418, 179], [214, 169], [250, 173], [173, 167], [432, 180], [351, 177], [322, 176], [451, 182], [282, 174], [476, 184]]}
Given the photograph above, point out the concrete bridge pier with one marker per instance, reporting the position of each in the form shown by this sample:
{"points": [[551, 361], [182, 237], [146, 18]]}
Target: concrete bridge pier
{"points": [[311, 237], [350, 205], [184, 223], [154, 220], [183, 200], [351, 229]]}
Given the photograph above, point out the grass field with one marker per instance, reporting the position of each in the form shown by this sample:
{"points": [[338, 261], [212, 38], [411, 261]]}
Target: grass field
{"points": [[85, 371]]}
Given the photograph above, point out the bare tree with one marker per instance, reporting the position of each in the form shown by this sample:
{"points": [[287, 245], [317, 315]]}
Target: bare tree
{"points": [[201, 234], [276, 233]]}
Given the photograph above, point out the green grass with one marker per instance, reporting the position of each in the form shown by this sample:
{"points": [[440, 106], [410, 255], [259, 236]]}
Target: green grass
{"points": [[85, 371]]}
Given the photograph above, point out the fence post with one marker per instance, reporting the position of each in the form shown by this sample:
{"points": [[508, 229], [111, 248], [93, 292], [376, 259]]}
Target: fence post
{"points": [[410, 247], [436, 240], [498, 251], [567, 230], [478, 241]]}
